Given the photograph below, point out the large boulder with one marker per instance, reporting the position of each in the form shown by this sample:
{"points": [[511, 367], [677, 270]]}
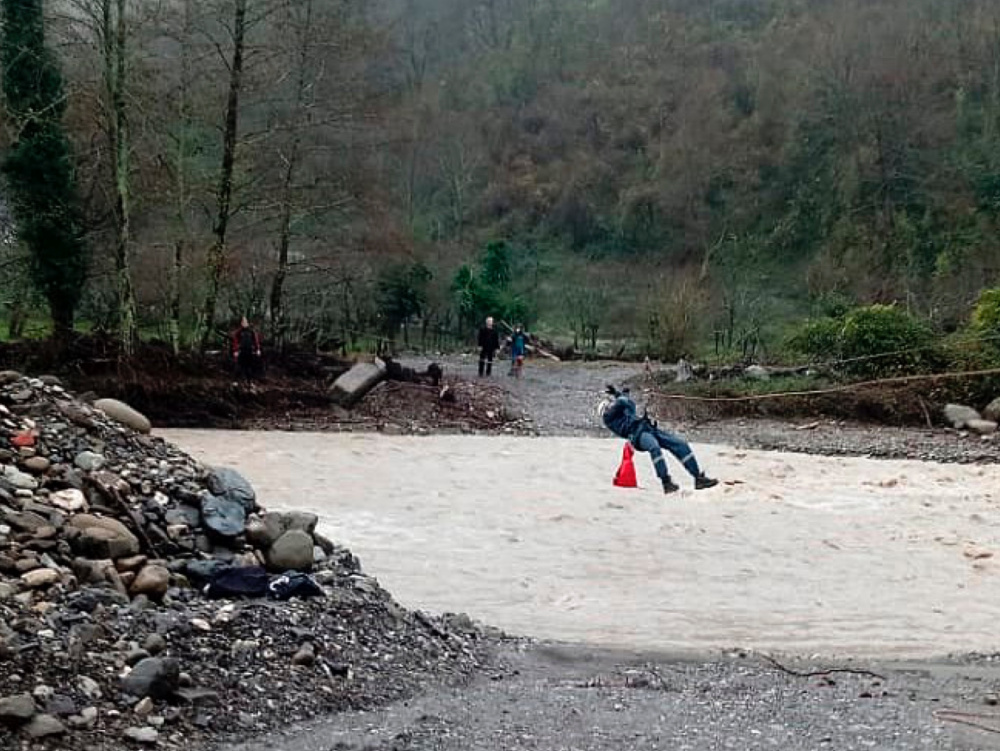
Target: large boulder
{"points": [[992, 411], [293, 551], [352, 386], [124, 414], [231, 485], [223, 517], [958, 415], [156, 677]]}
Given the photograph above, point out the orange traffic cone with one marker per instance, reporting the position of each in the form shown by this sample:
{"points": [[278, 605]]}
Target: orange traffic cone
{"points": [[625, 476]]}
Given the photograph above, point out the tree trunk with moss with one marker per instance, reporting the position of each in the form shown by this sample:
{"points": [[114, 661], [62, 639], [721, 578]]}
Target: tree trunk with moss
{"points": [[115, 32], [217, 251]]}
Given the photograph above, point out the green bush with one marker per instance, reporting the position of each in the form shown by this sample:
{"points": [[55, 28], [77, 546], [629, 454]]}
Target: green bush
{"points": [[870, 341], [818, 339], [965, 350], [886, 340], [986, 314]]}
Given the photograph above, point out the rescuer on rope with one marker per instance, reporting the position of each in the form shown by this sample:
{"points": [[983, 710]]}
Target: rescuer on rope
{"points": [[618, 413]]}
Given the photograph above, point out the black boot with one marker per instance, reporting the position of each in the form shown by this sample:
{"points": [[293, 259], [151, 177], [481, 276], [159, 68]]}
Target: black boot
{"points": [[703, 482], [669, 486]]}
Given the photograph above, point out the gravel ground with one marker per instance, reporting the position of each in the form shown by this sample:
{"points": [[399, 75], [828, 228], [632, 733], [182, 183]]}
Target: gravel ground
{"points": [[557, 698]]}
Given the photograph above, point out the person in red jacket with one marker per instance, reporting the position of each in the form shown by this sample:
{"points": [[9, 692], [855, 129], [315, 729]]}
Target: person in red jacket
{"points": [[246, 350]]}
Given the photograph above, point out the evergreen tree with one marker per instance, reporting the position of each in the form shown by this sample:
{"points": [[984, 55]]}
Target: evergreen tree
{"points": [[38, 167]]}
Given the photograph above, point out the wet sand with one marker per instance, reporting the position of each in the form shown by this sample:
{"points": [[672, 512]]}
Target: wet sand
{"points": [[801, 554]]}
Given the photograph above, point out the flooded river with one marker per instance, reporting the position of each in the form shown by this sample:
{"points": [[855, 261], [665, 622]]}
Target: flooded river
{"points": [[796, 554]]}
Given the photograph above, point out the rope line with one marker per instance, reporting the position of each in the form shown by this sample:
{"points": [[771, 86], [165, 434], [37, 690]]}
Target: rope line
{"points": [[895, 353], [834, 389]]}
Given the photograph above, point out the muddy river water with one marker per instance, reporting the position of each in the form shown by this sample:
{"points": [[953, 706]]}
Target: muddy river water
{"points": [[794, 553]]}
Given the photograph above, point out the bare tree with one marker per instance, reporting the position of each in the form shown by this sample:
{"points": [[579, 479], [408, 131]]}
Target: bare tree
{"points": [[301, 104], [224, 196]]}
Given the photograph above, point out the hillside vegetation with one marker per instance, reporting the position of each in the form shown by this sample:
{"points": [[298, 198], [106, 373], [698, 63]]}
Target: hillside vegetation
{"points": [[677, 176]]}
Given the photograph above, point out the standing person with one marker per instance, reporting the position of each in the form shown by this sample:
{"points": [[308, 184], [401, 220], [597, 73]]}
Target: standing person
{"points": [[246, 350], [489, 343], [518, 348], [619, 415]]}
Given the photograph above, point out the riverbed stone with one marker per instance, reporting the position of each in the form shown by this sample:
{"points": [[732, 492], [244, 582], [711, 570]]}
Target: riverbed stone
{"points": [[156, 677], [223, 517], [152, 581], [103, 537], [292, 551], [992, 411], [144, 735], [958, 415], [40, 577], [18, 479], [981, 427], [124, 414], [89, 461], [70, 499], [17, 709], [44, 726], [227, 483], [36, 465]]}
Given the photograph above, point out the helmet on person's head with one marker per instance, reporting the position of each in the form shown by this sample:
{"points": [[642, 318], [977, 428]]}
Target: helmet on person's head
{"points": [[602, 407]]}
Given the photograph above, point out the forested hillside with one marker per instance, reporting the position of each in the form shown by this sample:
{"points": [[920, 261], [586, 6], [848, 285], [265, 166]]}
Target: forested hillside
{"points": [[667, 172]]}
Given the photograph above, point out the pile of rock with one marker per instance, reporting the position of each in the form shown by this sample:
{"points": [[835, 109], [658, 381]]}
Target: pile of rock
{"points": [[105, 531], [87, 499]]}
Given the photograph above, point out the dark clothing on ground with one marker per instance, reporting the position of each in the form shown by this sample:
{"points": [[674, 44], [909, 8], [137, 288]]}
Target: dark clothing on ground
{"points": [[489, 343], [621, 419]]}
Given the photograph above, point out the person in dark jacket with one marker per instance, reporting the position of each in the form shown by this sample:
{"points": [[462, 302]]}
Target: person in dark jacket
{"points": [[246, 350], [618, 413], [489, 343]]}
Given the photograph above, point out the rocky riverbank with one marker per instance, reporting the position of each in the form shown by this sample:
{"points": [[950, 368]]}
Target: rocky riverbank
{"points": [[108, 537]]}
